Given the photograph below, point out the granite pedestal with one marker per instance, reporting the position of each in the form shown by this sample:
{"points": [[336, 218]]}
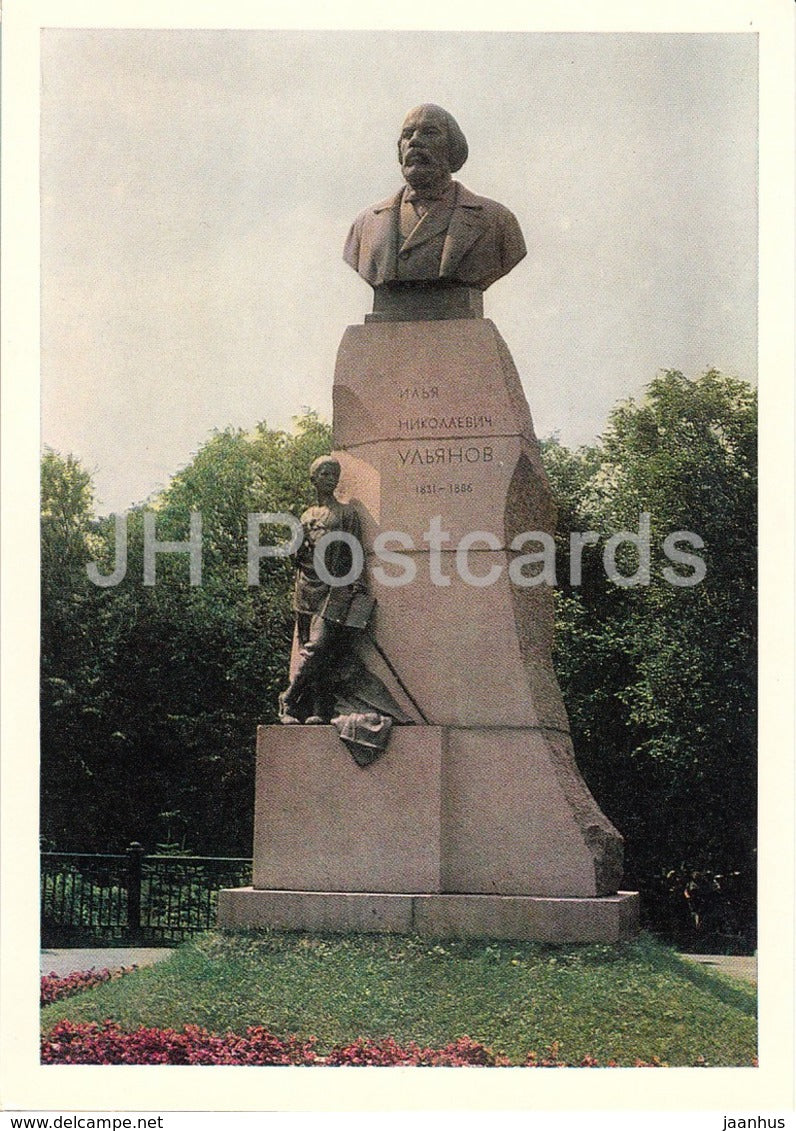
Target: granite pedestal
{"points": [[414, 843], [476, 821]]}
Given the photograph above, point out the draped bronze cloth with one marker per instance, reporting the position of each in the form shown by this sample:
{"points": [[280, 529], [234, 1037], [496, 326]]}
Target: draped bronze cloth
{"points": [[330, 681]]}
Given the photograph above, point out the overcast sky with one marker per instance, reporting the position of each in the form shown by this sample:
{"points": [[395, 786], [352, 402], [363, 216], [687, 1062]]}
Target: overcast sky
{"points": [[197, 187]]}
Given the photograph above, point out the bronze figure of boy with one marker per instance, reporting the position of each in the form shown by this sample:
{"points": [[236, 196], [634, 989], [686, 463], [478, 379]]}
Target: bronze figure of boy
{"points": [[330, 683], [321, 609]]}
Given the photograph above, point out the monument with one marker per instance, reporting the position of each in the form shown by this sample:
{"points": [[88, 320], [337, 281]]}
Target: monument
{"points": [[474, 820]]}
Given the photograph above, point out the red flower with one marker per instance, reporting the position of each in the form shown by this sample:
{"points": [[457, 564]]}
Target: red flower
{"points": [[54, 987], [90, 1043]]}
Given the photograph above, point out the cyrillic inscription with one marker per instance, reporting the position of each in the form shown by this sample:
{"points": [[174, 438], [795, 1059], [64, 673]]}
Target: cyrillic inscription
{"points": [[453, 454], [468, 423], [418, 393]]}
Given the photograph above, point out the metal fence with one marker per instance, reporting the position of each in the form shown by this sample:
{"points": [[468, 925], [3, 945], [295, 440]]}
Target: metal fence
{"points": [[132, 898]]}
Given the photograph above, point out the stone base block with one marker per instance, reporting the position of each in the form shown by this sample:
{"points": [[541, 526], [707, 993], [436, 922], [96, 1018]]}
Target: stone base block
{"points": [[489, 810], [608, 919], [323, 823]]}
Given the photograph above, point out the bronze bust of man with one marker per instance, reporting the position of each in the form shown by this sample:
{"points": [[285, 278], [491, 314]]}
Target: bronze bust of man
{"points": [[433, 229]]}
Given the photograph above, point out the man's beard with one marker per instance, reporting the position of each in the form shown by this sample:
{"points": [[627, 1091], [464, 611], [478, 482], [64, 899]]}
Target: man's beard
{"points": [[422, 169]]}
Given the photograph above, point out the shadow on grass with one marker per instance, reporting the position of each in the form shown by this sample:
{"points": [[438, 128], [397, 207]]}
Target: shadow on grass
{"points": [[745, 1001]]}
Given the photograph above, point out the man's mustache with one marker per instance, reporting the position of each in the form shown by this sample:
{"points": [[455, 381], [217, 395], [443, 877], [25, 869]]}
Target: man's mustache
{"points": [[417, 153]]}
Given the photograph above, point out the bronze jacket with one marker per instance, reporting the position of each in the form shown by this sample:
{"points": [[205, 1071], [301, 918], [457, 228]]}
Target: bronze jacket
{"points": [[482, 243]]}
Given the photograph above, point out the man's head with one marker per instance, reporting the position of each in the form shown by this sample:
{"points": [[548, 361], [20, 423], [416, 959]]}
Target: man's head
{"points": [[431, 146], [325, 473]]}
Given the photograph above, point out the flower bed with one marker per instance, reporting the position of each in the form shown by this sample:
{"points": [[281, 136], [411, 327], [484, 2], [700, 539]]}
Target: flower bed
{"points": [[54, 987], [89, 1043], [459, 1053]]}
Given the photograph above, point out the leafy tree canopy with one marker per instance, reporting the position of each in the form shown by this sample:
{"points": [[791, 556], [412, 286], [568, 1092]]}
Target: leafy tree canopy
{"points": [[151, 695], [660, 679]]}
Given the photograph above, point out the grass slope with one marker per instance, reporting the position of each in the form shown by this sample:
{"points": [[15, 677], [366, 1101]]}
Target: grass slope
{"points": [[623, 1001]]}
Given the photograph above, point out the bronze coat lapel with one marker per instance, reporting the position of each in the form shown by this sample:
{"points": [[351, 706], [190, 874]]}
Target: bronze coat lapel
{"points": [[436, 220], [380, 237], [381, 241], [467, 225]]}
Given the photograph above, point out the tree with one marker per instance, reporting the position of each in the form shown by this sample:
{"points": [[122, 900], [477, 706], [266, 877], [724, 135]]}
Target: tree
{"points": [[180, 675], [72, 649], [660, 679]]}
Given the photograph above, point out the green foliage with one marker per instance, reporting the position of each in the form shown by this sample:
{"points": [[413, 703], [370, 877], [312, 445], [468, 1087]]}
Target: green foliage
{"points": [[626, 1001], [151, 695], [74, 649], [66, 507], [660, 680], [82, 901]]}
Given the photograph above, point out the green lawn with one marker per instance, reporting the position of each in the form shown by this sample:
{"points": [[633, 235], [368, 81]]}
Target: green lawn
{"points": [[624, 1001]]}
